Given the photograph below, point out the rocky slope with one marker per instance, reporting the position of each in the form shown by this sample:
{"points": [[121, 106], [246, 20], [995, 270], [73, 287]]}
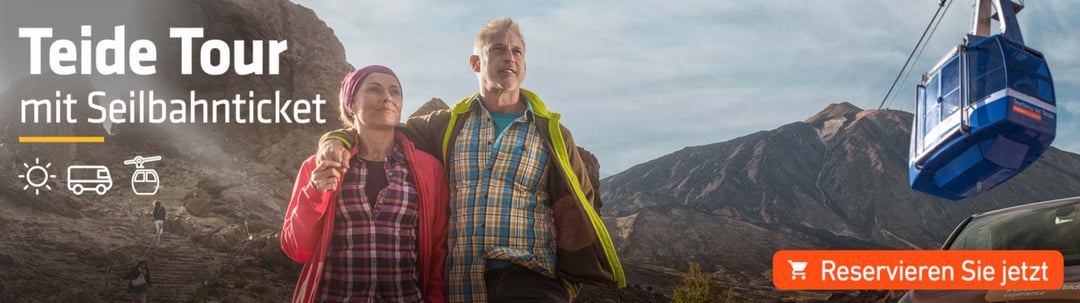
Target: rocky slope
{"points": [[59, 247]]}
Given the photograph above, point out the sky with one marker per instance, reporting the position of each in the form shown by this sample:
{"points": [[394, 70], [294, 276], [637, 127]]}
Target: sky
{"points": [[636, 80]]}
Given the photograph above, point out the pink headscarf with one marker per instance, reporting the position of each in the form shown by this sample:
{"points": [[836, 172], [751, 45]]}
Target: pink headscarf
{"points": [[353, 80]]}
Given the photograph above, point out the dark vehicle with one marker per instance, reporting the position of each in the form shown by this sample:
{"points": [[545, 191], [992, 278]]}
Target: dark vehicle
{"points": [[1049, 225]]}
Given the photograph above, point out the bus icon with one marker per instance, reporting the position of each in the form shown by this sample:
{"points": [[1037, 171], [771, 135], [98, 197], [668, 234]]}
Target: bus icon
{"points": [[81, 178]]}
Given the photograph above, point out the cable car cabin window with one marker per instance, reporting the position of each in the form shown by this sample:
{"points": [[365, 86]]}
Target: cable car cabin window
{"points": [[986, 70], [1029, 74], [931, 109], [919, 132], [950, 88]]}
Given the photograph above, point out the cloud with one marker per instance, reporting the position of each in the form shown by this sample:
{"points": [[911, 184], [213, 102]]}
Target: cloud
{"points": [[1068, 132], [637, 80]]}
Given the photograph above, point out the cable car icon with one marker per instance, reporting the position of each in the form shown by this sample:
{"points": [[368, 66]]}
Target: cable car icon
{"points": [[143, 176]]}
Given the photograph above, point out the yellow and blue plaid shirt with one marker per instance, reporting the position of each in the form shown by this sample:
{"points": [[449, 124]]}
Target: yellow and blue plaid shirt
{"points": [[500, 208]]}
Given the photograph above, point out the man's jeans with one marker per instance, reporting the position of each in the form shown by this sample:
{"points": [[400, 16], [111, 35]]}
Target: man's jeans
{"points": [[519, 284], [159, 226]]}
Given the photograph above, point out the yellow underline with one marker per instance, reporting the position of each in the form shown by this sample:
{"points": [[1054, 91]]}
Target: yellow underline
{"points": [[61, 139]]}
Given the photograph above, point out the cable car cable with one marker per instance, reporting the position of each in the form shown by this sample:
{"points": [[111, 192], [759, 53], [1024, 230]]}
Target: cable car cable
{"points": [[928, 38], [941, 4]]}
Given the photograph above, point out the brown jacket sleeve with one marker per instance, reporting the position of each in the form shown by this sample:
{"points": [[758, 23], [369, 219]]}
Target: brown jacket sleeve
{"points": [[427, 131], [343, 135], [587, 175]]}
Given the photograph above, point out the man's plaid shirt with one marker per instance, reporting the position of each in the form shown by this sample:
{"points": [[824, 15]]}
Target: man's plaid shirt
{"points": [[499, 202]]}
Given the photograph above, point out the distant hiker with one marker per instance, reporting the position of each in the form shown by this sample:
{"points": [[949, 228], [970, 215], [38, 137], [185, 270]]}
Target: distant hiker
{"points": [[159, 218], [139, 281], [523, 211], [182, 212], [372, 228]]}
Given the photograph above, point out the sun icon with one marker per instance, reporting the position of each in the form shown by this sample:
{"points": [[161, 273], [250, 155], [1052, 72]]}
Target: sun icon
{"points": [[30, 175]]}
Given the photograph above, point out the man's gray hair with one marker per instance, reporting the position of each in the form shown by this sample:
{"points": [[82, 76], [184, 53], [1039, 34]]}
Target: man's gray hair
{"points": [[495, 26]]}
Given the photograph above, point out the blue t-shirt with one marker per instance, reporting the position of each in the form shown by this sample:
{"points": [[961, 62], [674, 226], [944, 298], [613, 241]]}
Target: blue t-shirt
{"points": [[502, 120]]}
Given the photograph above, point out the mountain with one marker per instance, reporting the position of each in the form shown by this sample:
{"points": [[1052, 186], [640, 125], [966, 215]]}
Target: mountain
{"points": [[837, 180]]}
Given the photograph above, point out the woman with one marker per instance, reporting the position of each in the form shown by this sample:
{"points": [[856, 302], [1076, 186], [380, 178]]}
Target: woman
{"points": [[372, 229], [182, 213], [139, 281]]}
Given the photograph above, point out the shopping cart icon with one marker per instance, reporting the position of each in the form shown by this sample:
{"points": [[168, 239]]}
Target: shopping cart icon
{"points": [[798, 269]]}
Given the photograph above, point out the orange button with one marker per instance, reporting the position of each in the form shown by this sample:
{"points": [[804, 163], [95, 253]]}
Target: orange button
{"points": [[917, 269]]}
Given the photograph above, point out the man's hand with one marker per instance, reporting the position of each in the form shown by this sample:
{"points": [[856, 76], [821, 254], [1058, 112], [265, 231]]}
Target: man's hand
{"points": [[331, 163], [326, 176]]}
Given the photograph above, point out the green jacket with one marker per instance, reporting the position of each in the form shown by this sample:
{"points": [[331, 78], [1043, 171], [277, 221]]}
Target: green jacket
{"points": [[584, 252]]}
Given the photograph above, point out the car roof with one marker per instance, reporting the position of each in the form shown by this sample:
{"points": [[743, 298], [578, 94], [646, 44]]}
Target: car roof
{"points": [[1031, 206]]}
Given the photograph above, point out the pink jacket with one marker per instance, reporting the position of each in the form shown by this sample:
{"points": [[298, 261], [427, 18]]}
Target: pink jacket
{"points": [[309, 221]]}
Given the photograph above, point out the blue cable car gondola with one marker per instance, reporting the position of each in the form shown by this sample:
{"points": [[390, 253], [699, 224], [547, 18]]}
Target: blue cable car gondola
{"points": [[984, 113]]}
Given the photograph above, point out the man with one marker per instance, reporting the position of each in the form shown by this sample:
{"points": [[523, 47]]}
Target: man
{"points": [[159, 218], [523, 221]]}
